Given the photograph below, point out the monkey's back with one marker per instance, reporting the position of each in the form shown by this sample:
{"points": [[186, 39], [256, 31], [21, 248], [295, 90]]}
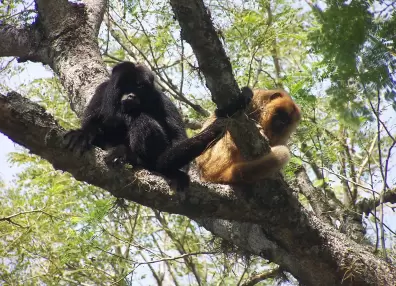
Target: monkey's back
{"points": [[215, 160], [222, 161]]}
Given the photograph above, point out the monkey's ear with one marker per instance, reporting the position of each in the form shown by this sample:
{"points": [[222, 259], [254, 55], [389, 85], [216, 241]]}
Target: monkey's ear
{"points": [[275, 95]]}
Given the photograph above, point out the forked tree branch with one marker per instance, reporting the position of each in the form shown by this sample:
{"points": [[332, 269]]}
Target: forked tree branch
{"points": [[48, 40], [27, 124], [24, 43], [367, 205], [272, 224]]}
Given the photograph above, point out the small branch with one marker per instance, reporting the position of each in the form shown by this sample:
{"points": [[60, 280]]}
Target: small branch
{"points": [[366, 160], [156, 261], [387, 227], [13, 222], [168, 264], [274, 51], [10, 217], [367, 205], [348, 180], [383, 172], [198, 31], [315, 197], [261, 277], [159, 277], [22, 213], [179, 246], [259, 70], [352, 173], [169, 258], [178, 257], [336, 203]]}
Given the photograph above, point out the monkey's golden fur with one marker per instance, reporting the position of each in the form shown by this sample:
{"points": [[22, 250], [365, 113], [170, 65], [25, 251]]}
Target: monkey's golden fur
{"points": [[278, 116]]}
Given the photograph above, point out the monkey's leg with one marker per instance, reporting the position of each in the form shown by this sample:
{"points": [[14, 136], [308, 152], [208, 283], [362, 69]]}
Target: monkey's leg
{"points": [[147, 141], [251, 171], [79, 140]]}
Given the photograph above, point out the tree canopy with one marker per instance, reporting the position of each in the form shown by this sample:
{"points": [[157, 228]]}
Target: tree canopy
{"points": [[328, 220]]}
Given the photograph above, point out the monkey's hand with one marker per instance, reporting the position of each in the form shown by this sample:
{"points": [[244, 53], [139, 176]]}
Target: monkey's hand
{"points": [[117, 156], [181, 181], [241, 103], [78, 141]]}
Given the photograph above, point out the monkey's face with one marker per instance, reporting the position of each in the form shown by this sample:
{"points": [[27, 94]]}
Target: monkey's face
{"points": [[134, 79], [130, 102], [278, 115]]}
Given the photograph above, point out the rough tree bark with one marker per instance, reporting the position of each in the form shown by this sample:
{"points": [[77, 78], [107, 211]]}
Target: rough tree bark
{"points": [[271, 224]]}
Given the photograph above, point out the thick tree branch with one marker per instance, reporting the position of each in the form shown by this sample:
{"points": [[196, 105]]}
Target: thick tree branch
{"points": [[198, 31], [65, 37], [29, 125], [367, 205], [57, 17], [22, 42]]}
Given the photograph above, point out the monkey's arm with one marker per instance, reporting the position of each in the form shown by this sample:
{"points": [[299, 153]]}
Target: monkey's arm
{"points": [[188, 149], [80, 140], [182, 153], [174, 124], [241, 103], [252, 171]]}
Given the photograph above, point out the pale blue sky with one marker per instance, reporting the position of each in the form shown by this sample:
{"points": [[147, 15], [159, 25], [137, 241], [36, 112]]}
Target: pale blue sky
{"points": [[32, 71]]}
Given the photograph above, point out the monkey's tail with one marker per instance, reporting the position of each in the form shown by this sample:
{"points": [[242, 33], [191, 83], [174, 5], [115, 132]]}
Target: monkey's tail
{"points": [[264, 167], [187, 150]]}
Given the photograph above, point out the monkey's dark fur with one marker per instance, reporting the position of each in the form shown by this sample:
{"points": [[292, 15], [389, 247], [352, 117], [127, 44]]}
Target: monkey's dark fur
{"points": [[128, 112]]}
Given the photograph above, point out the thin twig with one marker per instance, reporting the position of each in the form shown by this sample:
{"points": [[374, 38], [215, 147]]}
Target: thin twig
{"points": [[343, 177], [381, 212]]}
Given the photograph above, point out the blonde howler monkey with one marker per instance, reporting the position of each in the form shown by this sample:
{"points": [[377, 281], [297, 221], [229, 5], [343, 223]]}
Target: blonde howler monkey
{"points": [[278, 116]]}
